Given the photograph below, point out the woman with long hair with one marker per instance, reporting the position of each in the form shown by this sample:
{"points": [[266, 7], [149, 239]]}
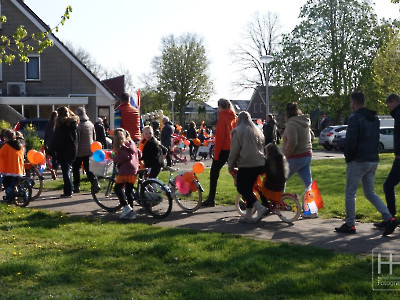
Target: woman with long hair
{"points": [[247, 154], [65, 145], [226, 122]]}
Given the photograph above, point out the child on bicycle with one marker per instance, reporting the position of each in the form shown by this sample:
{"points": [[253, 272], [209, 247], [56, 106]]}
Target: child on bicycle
{"points": [[277, 170], [11, 163], [152, 152], [126, 156]]}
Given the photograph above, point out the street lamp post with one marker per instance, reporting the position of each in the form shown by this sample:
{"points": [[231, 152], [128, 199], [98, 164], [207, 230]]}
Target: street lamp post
{"points": [[266, 59], [172, 95]]}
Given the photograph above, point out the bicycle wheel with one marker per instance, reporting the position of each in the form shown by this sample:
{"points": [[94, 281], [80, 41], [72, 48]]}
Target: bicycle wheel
{"points": [[106, 197], [288, 209], [155, 198], [24, 193], [36, 183], [240, 206], [189, 202]]}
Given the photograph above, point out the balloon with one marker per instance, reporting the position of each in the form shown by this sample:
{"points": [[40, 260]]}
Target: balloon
{"points": [[96, 146], [198, 167], [111, 132], [30, 155], [196, 142], [99, 156], [186, 142], [181, 185], [188, 176], [38, 157], [193, 187], [182, 145], [108, 154], [259, 122]]}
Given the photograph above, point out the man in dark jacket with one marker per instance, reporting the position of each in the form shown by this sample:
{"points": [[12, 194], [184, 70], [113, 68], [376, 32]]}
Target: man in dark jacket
{"points": [[166, 136], [392, 102], [269, 130], [361, 154]]}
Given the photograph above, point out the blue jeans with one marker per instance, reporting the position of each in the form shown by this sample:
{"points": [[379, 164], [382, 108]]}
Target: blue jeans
{"points": [[388, 187], [66, 172], [301, 166], [363, 172]]}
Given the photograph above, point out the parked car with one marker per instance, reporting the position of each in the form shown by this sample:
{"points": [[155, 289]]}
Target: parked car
{"points": [[385, 139], [39, 124], [326, 136], [339, 140]]}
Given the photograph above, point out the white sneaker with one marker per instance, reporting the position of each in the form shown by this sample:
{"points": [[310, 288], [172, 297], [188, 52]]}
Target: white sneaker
{"points": [[131, 216], [125, 212]]}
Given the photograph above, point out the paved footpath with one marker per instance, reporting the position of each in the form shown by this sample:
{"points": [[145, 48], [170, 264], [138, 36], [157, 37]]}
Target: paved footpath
{"points": [[316, 232]]}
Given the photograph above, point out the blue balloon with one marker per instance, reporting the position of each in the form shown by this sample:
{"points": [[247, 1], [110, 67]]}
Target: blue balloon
{"points": [[99, 156]]}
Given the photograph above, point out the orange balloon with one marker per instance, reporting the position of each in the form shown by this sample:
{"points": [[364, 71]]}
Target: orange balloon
{"points": [[196, 142], [38, 158], [111, 132], [30, 155], [188, 176], [198, 167], [96, 146]]}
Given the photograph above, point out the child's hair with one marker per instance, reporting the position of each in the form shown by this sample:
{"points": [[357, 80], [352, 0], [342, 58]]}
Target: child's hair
{"points": [[119, 138], [276, 168], [9, 134], [148, 128]]}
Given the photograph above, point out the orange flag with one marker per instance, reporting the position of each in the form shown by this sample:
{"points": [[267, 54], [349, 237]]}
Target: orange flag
{"points": [[312, 201]]}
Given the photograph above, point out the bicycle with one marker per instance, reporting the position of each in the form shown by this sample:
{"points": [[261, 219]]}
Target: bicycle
{"points": [[22, 192], [150, 193], [32, 171], [191, 200], [288, 208]]}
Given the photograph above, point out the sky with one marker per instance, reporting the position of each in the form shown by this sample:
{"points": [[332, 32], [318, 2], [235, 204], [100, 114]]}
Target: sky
{"points": [[128, 33]]}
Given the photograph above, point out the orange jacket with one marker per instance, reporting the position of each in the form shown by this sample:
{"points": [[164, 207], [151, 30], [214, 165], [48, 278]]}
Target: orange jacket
{"points": [[130, 120], [226, 122], [11, 161]]}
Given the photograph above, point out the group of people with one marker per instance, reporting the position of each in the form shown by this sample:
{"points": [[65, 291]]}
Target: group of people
{"points": [[248, 151]]}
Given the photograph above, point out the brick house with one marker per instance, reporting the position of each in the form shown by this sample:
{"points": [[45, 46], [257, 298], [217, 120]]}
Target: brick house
{"points": [[53, 78]]}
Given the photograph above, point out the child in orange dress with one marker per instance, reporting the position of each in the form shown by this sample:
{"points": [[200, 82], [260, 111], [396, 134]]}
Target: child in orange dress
{"points": [[126, 157], [11, 163]]}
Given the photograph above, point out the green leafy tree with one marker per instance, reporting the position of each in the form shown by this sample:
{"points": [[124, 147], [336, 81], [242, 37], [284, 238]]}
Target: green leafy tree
{"points": [[22, 43], [183, 68], [326, 55], [386, 69], [32, 140]]}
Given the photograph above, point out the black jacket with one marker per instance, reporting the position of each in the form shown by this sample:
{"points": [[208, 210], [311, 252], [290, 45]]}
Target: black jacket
{"points": [[269, 130], [362, 136], [166, 135], [100, 134], [65, 141], [152, 154], [395, 113]]}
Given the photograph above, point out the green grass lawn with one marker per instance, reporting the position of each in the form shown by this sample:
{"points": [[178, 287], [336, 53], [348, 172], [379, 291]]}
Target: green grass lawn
{"points": [[47, 255]]}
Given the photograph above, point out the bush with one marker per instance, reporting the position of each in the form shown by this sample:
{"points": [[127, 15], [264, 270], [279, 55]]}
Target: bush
{"points": [[4, 125], [32, 140]]}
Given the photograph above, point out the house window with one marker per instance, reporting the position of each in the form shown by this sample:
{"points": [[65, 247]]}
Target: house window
{"points": [[32, 68]]}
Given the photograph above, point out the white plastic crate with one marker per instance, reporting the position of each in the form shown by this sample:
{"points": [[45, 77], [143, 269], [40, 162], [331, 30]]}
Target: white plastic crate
{"points": [[103, 168]]}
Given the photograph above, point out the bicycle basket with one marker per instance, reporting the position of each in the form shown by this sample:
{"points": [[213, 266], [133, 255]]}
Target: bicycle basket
{"points": [[103, 168]]}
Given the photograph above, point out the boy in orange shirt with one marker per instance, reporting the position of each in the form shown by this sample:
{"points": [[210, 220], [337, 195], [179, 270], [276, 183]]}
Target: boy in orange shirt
{"points": [[11, 163]]}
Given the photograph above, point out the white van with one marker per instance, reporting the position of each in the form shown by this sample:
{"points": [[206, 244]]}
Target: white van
{"points": [[386, 121]]}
